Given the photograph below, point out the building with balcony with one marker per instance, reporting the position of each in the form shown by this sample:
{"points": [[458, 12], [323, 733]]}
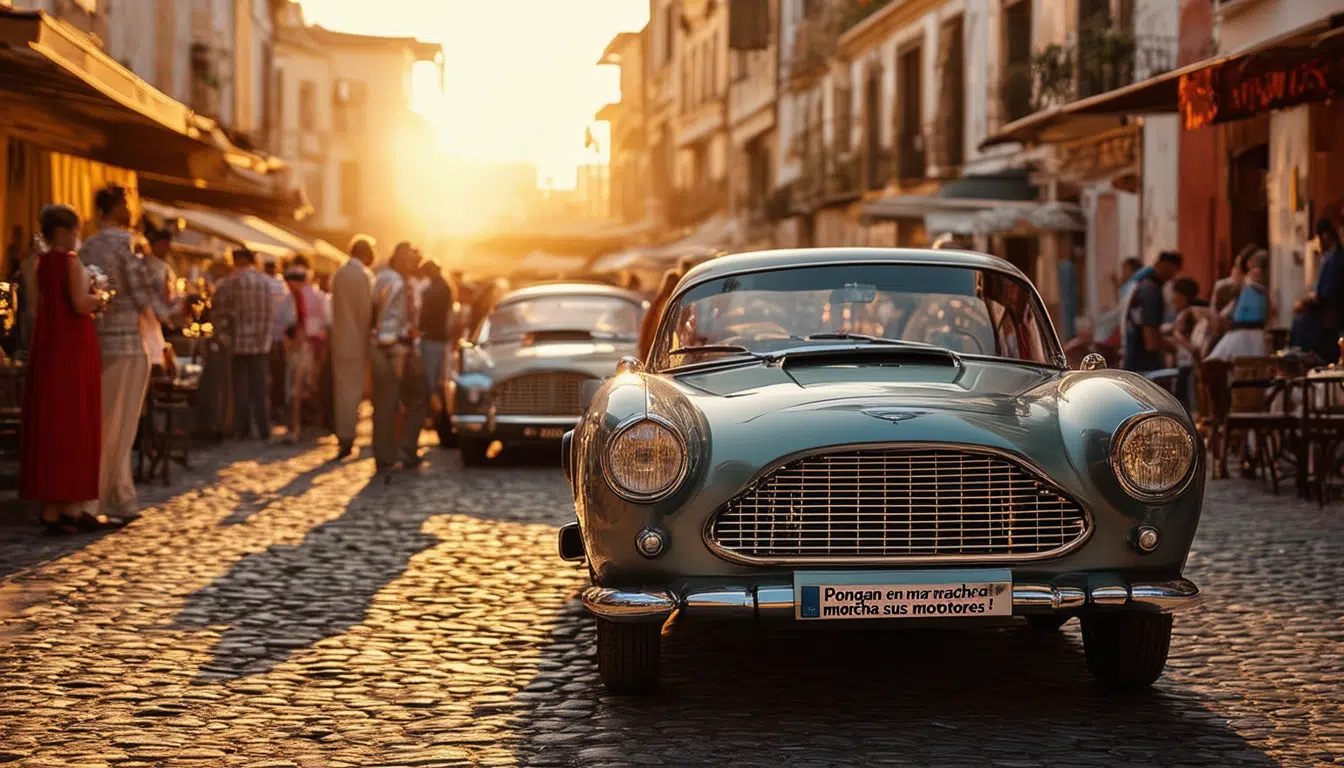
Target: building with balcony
{"points": [[629, 164], [662, 85], [343, 120], [700, 172], [752, 91]]}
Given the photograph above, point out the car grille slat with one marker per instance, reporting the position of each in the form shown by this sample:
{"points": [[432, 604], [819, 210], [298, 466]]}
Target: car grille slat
{"points": [[898, 504], [546, 393]]}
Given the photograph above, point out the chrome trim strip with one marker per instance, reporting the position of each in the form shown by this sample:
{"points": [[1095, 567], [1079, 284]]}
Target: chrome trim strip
{"points": [[620, 429], [1118, 440], [1166, 596], [619, 605], [1111, 594], [536, 421], [720, 603], [1026, 464], [777, 601]]}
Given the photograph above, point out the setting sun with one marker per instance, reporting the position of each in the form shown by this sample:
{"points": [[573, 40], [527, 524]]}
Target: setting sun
{"points": [[520, 81]]}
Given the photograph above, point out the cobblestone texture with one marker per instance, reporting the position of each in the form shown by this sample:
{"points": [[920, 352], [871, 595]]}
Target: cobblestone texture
{"points": [[296, 612]]}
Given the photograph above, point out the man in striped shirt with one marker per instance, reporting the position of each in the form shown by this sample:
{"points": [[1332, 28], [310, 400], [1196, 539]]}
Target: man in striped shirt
{"points": [[246, 300]]}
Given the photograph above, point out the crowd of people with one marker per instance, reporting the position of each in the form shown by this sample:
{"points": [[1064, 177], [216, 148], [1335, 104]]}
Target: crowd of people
{"points": [[1164, 324], [98, 337]]}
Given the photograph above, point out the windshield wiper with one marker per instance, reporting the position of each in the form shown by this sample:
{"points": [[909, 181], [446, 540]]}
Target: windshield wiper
{"points": [[739, 349], [844, 336]]}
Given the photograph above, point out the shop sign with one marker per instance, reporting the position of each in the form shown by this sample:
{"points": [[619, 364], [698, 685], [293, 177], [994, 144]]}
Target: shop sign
{"points": [[1238, 90], [1099, 156]]}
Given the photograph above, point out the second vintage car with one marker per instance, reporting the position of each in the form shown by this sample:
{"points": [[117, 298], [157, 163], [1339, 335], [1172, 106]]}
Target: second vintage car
{"points": [[879, 436], [521, 371]]}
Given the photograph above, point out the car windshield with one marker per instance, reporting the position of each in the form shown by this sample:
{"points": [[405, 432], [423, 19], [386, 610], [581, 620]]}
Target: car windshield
{"points": [[966, 310], [607, 315]]}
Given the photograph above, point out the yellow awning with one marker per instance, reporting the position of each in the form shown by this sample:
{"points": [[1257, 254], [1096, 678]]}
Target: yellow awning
{"points": [[225, 227]]}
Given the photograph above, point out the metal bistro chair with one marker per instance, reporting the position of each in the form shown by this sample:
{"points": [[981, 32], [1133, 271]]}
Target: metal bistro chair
{"points": [[1240, 395]]}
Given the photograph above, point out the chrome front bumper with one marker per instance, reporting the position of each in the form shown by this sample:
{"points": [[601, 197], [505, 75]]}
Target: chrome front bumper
{"points": [[768, 602], [490, 424]]}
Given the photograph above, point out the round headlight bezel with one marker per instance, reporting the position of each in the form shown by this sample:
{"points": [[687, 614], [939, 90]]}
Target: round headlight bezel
{"points": [[1123, 434], [645, 498]]}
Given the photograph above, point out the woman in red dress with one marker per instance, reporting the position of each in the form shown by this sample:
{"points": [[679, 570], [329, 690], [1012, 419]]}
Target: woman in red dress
{"points": [[60, 437]]}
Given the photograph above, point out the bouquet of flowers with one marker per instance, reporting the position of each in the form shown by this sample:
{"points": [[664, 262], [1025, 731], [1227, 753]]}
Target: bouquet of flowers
{"points": [[100, 283]]}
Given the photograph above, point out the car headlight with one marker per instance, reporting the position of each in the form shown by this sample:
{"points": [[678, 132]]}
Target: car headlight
{"points": [[1152, 456], [645, 461]]}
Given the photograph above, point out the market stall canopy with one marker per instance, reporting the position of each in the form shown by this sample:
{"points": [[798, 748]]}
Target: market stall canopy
{"points": [[713, 236], [63, 94], [227, 228], [1206, 92]]}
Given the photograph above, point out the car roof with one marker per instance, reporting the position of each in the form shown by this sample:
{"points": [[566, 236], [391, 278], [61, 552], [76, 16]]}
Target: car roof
{"points": [[573, 288], [783, 258]]}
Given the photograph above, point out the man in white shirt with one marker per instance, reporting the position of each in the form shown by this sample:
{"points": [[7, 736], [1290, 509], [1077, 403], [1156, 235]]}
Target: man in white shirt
{"points": [[398, 370]]}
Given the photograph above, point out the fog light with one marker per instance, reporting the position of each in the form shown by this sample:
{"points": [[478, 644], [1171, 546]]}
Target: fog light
{"points": [[650, 543], [1144, 538]]}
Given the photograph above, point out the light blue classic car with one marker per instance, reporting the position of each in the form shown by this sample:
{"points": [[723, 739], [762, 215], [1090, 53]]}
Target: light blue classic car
{"points": [[879, 437], [520, 372]]}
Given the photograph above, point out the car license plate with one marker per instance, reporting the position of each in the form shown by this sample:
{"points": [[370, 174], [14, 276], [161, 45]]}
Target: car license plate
{"points": [[552, 433], [902, 594]]}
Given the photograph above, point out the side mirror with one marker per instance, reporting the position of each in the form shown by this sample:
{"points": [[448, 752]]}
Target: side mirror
{"points": [[629, 364], [1092, 362], [587, 391]]}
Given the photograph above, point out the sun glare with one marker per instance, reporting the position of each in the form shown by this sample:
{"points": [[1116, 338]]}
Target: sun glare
{"points": [[520, 82]]}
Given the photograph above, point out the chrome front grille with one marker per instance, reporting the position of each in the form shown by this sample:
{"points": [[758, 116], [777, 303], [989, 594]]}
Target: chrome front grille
{"points": [[898, 505], [550, 393]]}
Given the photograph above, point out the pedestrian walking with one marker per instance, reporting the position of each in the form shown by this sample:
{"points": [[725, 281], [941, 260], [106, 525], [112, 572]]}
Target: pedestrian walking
{"points": [[351, 322], [125, 359], [246, 299], [60, 431], [398, 369], [438, 327], [278, 389], [1145, 314], [1248, 315], [306, 340]]}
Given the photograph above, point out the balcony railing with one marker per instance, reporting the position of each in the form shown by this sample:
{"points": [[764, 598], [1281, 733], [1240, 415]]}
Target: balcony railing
{"points": [[829, 176], [1093, 62]]}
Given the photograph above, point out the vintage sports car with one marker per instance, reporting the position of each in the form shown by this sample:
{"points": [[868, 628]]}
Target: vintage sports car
{"points": [[870, 435], [520, 373]]}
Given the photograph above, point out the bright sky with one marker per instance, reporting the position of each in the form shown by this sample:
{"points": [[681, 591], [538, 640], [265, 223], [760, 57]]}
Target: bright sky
{"points": [[520, 81]]}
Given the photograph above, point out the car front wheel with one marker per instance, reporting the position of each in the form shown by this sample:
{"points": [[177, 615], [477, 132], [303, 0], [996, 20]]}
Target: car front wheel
{"points": [[1126, 651], [628, 655]]}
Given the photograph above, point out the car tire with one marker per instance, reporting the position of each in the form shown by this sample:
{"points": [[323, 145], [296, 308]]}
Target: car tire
{"points": [[628, 655], [1126, 651], [472, 450], [1047, 622], [445, 429]]}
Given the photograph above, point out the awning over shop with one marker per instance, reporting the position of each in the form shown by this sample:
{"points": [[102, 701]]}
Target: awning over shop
{"points": [[63, 94], [329, 256], [1304, 65], [226, 228], [712, 236], [980, 204]]}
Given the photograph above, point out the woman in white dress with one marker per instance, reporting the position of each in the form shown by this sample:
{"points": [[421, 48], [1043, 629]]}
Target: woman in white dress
{"points": [[1248, 316]]}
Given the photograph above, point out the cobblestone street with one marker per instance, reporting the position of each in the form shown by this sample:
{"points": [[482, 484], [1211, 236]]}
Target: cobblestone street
{"points": [[287, 611]]}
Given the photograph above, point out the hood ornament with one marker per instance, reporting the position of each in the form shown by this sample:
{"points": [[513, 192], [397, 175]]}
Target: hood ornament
{"points": [[894, 415]]}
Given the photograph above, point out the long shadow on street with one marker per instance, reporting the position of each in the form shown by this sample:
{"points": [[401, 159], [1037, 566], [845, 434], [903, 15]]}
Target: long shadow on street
{"points": [[746, 696], [287, 598]]}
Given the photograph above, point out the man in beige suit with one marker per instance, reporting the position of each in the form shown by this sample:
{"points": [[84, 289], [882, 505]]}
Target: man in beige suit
{"points": [[351, 324]]}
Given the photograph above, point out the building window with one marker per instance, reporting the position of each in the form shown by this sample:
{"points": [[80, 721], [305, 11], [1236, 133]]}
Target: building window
{"points": [[1016, 85], [307, 105], [950, 141], [350, 188], [911, 132]]}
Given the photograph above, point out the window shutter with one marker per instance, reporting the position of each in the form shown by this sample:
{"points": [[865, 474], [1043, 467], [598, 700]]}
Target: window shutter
{"points": [[749, 25]]}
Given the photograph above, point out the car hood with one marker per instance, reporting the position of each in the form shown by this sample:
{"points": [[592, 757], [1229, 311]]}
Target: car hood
{"points": [[598, 358], [750, 417]]}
